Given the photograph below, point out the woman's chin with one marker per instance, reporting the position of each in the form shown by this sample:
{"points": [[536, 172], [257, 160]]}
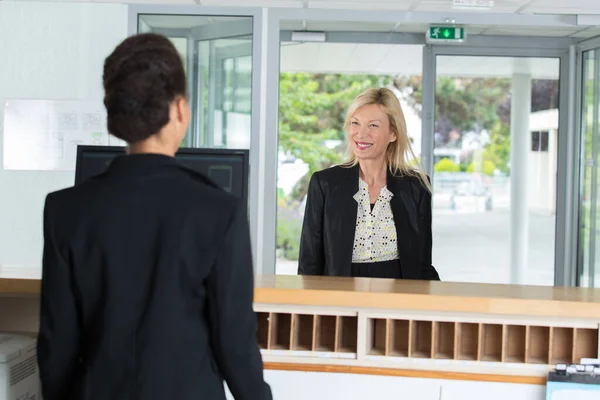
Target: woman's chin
{"points": [[361, 155]]}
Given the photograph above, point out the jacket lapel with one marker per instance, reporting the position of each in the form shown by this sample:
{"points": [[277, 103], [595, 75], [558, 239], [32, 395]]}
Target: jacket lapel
{"points": [[402, 204], [406, 220], [347, 211]]}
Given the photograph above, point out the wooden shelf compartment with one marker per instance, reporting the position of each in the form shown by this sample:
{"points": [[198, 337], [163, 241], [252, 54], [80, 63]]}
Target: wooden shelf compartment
{"points": [[325, 333], [491, 343], [280, 331], [399, 337], [444, 340], [538, 345], [421, 345], [561, 345], [346, 334], [303, 332], [585, 344], [377, 337], [262, 334], [515, 343], [467, 341]]}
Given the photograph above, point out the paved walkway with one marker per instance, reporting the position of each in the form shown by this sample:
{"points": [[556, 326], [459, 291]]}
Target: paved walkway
{"points": [[476, 248]]}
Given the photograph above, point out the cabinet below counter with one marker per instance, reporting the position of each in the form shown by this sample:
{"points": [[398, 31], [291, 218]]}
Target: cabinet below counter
{"points": [[412, 329], [436, 330]]}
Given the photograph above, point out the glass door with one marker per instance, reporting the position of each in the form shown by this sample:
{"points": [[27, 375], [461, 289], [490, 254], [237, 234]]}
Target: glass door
{"points": [[217, 52], [589, 242], [494, 165], [224, 92]]}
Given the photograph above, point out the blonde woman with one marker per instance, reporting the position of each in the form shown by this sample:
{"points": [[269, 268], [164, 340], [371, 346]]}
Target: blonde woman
{"points": [[370, 217]]}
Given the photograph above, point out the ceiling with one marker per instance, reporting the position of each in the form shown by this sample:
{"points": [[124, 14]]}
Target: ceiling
{"points": [[184, 21], [578, 32], [500, 6], [554, 7], [405, 60]]}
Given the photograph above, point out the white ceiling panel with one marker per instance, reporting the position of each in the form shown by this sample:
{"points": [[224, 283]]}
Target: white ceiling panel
{"points": [[500, 6], [439, 7], [563, 7], [170, 2], [350, 26], [361, 5], [184, 21], [512, 31], [252, 3], [587, 33]]}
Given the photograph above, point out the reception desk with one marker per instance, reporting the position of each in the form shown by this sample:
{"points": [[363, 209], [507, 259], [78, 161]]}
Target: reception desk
{"points": [[411, 329], [483, 332]]}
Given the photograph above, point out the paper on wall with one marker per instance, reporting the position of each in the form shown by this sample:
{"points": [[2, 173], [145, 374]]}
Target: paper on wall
{"points": [[44, 134]]}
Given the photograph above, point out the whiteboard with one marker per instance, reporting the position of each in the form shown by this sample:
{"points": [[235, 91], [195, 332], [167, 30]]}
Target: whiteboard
{"points": [[42, 135]]}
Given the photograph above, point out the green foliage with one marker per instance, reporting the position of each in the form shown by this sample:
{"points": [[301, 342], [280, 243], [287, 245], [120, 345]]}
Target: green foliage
{"points": [[467, 104], [312, 110], [288, 234], [486, 167], [446, 165], [498, 151]]}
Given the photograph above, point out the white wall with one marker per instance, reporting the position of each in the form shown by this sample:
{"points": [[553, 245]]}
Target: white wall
{"points": [[542, 177], [542, 166], [48, 51], [290, 385]]}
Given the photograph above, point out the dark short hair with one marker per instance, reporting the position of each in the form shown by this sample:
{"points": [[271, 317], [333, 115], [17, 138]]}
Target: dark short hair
{"points": [[142, 76]]}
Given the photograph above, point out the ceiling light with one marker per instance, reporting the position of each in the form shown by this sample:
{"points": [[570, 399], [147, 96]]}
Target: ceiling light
{"points": [[472, 4]]}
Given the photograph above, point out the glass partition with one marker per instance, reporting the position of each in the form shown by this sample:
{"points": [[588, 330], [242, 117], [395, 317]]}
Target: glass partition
{"points": [[317, 84], [217, 52], [590, 109], [495, 166]]}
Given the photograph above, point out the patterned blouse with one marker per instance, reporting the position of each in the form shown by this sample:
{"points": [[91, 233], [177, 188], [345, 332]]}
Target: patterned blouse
{"points": [[375, 238]]}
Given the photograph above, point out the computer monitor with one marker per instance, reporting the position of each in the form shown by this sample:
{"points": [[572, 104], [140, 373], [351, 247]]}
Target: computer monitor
{"points": [[227, 168]]}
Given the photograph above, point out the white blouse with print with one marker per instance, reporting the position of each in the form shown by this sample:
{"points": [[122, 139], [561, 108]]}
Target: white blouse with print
{"points": [[375, 238]]}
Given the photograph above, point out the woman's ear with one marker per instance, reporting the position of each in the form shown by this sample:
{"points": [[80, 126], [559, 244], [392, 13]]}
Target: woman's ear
{"points": [[183, 109]]}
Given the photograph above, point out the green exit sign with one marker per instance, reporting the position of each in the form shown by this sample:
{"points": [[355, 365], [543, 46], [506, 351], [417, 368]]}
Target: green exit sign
{"points": [[446, 34]]}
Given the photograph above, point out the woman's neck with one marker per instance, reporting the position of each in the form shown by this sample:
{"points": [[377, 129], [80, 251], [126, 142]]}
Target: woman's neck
{"points": [[152, 145], [373, 172]]}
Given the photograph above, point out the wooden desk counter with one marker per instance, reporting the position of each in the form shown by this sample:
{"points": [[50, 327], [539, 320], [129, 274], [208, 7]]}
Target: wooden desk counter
{"points": [[490, 299], [461, 331], [465, 331]]}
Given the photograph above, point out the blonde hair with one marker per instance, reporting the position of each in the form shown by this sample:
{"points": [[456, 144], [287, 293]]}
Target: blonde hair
{"points": [[400, 157]]}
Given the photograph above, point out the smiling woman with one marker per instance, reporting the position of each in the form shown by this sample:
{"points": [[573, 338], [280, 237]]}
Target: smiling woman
{"points": [[371, 216]]}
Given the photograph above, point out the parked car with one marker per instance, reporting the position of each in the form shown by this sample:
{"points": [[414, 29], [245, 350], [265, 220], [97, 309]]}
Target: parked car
{"points": [[473, 194]]}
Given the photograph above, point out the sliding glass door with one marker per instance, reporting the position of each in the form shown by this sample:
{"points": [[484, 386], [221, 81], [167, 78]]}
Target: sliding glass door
{"points": [[217, 52], [492, 148], [589, 239]]}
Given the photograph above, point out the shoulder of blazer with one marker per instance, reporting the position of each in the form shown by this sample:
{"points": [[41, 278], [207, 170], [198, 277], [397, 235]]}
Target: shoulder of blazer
{"points": [[333, 174], [408, 183], [201, 178]]}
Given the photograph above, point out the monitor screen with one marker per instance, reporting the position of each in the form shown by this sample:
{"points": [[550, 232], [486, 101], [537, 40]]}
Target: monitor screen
{"points": [[227, 168]]}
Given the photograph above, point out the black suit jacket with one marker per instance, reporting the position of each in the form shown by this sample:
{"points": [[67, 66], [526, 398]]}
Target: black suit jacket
{"points": [[147, 289], [330, 222]]}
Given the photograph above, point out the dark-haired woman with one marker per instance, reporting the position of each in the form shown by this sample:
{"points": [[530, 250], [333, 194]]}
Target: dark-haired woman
{"points": [[147, 279]]}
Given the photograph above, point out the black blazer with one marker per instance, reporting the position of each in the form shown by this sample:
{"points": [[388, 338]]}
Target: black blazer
{"points": [[330, 222], [147, 289]]}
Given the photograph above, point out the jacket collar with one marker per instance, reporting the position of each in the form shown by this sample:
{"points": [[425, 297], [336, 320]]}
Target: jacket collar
{"points": [[135, 164], [393, 183]]}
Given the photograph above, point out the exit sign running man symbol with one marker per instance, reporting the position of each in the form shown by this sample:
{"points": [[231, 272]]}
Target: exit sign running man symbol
{"points": [[446, 33]]}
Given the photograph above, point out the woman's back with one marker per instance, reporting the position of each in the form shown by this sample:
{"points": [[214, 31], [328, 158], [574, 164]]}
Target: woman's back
{"points": [[147, 288]]}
